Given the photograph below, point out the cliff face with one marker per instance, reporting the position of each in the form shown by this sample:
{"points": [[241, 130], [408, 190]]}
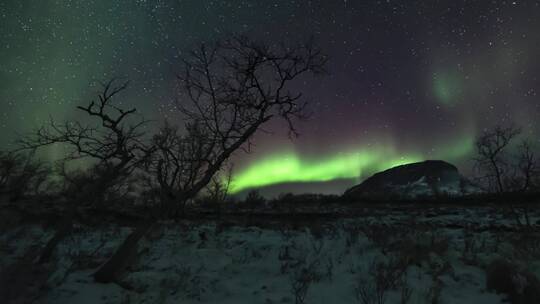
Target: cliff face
{"points": [[426, 179]]}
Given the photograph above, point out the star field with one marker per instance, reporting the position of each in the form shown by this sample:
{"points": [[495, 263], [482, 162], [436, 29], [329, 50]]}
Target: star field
{"points": [[414, 79]]}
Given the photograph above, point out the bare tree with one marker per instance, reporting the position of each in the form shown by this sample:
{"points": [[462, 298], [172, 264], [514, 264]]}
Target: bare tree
{"points": [[114, 145], [21, 174], [508, 174], [526, 168], [527, 165], [491, 154], [227, 92], [218, 188]]}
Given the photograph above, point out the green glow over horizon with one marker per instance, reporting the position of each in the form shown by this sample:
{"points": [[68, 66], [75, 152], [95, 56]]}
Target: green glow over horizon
{"points": [[289, 167]]}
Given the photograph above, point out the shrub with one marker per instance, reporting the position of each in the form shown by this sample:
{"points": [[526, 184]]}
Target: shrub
{"points": [[521, 286], [254, 200], [382, 277], [21, 174]]}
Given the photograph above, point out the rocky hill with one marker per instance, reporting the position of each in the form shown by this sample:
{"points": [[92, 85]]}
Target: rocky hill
{"points": [[428, 179]]}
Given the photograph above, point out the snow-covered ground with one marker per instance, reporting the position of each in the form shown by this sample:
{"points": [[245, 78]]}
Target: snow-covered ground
{"points": [[429, 255]]}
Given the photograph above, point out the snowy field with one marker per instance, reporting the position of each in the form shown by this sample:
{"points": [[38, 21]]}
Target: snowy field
{"points": [[385, 255]]}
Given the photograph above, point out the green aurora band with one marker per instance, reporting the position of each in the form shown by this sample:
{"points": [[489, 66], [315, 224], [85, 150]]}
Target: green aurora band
{"points": [[290, 167]]}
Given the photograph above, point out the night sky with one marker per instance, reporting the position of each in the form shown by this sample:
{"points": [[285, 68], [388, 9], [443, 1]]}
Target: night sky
{"points": [[408, 80]]}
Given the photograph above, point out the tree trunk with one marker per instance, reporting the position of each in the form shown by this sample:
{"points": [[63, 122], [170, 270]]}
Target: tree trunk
{"points": [[497, 175]]}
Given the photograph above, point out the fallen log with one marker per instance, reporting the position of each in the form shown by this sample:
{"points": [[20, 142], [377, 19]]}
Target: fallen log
{"points": [[64, 230], [113, 269], [23, 281]]}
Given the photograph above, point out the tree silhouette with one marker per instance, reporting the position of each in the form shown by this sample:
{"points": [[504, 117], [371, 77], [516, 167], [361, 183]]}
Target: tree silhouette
{"points": [[491, 149], [227, 92], [114, 145], [527, 165], [21, 173]]}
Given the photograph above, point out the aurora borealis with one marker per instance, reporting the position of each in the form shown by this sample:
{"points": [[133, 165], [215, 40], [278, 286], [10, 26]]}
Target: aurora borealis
{"points": [[351, 165], [288, 167], [408, 80]]}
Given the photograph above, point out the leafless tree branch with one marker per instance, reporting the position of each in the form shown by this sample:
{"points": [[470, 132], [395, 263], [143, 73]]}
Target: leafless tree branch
{"points": [[228, 90]]}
